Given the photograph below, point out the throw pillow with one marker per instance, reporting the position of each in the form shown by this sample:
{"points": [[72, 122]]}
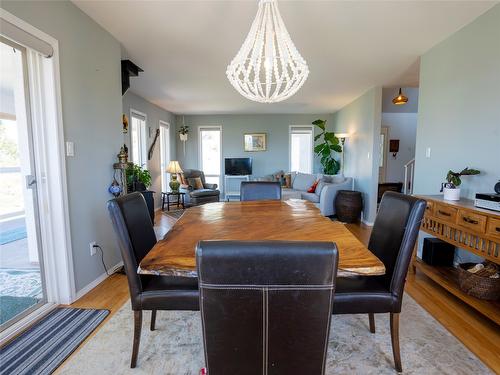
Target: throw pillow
{"points": [[195, 183], [312, 189], [303, 181], [320, 186]]}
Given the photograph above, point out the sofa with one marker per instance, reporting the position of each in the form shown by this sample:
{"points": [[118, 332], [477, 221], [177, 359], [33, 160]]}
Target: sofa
{"points": [[195, 197], [326, 190]]}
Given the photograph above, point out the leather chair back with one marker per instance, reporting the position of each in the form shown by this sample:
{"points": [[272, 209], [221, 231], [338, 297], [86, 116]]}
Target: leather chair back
{"points": [[260, 190], [193, 173], [266, 306], [136, 236], [393, 236]]}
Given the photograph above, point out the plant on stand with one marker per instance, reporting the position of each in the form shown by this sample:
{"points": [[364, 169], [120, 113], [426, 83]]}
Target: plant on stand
{"points": [[327, 148], [451, 188], [138, 179]]}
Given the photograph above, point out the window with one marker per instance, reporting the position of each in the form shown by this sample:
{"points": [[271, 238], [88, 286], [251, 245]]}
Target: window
{"points": [[210, 153], [138, 138], [301, 148], [164, 154]]}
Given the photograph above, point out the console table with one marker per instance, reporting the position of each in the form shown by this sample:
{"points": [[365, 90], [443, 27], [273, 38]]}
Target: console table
{"points": [[471, 228], [231, 191]]}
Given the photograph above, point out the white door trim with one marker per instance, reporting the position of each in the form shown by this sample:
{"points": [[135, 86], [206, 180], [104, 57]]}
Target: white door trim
{"points": [[51, 172], [164, 175]]}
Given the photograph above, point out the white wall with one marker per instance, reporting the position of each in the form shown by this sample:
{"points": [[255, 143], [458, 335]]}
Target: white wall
{"points": [[362, 119], [402, 126], [91, 109]]}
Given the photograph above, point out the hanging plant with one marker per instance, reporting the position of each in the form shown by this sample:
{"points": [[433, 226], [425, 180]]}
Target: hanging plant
{"points": [[327, 148], [183, 132]]}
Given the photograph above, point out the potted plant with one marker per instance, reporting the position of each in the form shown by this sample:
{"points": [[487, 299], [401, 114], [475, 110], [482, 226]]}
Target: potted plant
{"points": [[183, 133], [138, 179], [325, 149], [451, 188]]}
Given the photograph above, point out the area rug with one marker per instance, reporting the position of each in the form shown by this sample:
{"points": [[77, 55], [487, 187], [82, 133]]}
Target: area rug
{"points": [[174, 213], [176, 348], [21, 282], [12, 235], [44, 346]]}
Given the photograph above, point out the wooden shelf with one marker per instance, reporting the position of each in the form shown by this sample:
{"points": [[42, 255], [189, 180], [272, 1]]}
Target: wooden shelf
{"points": [[447, 278]]}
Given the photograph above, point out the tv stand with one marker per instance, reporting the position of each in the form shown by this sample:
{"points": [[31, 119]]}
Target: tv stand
{"points": [[231, 192]]}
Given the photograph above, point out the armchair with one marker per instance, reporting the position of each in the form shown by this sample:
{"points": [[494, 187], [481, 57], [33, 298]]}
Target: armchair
{"points": [[196, 197]]}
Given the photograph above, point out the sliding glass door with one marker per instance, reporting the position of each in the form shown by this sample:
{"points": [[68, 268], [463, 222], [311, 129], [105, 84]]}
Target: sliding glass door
{"points": [[164, 154], [22, 287]]}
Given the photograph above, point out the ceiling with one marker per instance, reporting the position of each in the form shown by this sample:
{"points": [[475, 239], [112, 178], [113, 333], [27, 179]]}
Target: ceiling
{"points": [[350, 46]]}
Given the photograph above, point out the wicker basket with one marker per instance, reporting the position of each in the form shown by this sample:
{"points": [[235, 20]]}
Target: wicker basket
{"points": [[477, 286]]}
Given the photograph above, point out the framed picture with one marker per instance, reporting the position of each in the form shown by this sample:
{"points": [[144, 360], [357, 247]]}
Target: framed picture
{"points": [[255, 142]]}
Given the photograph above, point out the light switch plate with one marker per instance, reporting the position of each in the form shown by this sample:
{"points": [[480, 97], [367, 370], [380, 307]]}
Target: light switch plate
{"points": [[70, 149], [428, 152]]}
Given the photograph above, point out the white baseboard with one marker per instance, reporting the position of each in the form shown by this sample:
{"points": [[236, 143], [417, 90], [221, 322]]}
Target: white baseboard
{"points": [[97, 281], [368, 223]]}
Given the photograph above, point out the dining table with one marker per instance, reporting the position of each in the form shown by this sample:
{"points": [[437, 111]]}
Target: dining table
{"points": [[289, 220]]}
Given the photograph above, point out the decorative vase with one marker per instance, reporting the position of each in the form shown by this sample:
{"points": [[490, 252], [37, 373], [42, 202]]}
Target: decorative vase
{"points": [[451, 194], [348, 206], [174, 184]]}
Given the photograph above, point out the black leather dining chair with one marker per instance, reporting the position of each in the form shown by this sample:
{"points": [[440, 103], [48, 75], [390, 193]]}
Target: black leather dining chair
{"points": [[392, 240], [136, 237], [266, 306], [260, 190]]}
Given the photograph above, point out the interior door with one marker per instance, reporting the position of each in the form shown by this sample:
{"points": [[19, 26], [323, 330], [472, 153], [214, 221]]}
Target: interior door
{"points": [[22, 286]]}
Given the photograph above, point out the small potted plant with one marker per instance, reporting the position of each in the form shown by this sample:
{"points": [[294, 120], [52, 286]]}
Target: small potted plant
{"points": [[138, 179], [451, 188]]}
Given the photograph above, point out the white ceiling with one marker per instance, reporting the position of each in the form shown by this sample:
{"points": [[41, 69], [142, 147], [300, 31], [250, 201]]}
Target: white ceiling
{"points": [[184, 47]]}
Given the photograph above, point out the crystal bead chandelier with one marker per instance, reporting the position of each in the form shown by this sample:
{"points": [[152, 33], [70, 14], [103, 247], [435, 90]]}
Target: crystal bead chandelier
{"points": [[268, 68]]}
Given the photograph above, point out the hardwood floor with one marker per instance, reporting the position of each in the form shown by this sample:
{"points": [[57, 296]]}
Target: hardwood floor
{"points": [[479, 334]]}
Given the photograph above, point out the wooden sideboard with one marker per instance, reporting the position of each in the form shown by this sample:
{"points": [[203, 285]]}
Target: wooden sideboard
{"points": [[471, 228]]}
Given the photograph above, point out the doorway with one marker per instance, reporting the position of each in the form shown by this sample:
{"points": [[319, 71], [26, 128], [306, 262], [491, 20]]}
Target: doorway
{"points": [[22, 284]]}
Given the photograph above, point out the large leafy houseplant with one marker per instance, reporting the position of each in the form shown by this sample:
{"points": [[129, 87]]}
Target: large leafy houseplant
{"points": [[327, 148], [137, 178]]}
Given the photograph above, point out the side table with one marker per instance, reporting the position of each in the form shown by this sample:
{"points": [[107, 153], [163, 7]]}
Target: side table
{"points": [[166, 196]]}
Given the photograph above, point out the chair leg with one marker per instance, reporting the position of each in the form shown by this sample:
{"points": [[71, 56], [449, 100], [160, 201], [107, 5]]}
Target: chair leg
{"points": [[371, 318], [395, 341], [153, 319], [137, 337]]}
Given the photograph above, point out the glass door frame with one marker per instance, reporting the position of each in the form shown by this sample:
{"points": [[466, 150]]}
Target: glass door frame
{"points": [[295, 129], [200, 161], [34, 190]]}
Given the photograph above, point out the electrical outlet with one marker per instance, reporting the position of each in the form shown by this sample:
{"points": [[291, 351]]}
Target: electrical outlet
{"points": [[92, 248]]}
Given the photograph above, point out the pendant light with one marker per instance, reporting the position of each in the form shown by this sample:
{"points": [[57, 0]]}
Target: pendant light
{"points": [[400, 99], [268, 68]]}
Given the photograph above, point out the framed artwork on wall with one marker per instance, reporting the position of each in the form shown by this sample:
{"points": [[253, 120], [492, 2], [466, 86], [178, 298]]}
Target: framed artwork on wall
{"points": [[255, 142]]}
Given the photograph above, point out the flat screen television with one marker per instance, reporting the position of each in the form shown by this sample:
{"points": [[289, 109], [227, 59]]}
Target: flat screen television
{"points": [[238, 166]]}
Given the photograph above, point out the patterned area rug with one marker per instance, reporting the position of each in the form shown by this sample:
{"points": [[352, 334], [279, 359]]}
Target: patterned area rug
{"points": [[44, 346], [176, 348], [174, 213]]}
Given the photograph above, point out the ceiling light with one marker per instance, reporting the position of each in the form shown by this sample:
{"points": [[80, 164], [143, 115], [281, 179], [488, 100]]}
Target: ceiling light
{"points": [[400, 99], [268, 68]]}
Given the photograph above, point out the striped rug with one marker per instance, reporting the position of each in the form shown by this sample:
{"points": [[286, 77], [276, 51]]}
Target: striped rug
{"points": [[44, 346]]}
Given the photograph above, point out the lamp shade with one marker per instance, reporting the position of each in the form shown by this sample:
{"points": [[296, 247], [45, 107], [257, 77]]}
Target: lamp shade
{"points": [[174, 167]]}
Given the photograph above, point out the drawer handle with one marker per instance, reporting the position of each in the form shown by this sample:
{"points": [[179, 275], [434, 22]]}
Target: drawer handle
{"points": [[470, 221], [497, 229], [444, 213]]}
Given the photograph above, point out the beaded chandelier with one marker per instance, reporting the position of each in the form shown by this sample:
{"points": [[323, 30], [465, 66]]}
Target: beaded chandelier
{"points": [[268, 68]]}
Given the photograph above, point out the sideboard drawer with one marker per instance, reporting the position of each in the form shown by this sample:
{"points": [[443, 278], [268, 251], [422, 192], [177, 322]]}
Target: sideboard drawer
{"points": [[472, 221], [445, 212], [493, 227]]}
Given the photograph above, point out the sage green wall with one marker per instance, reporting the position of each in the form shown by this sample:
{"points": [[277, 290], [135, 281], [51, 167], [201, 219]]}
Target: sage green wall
{"points": [[154, 115], [276, 157], [459, 110], [362, 120], [91, 109]]}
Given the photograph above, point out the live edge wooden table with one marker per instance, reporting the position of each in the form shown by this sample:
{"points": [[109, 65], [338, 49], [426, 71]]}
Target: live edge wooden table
{"points": [[292, 220]]}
